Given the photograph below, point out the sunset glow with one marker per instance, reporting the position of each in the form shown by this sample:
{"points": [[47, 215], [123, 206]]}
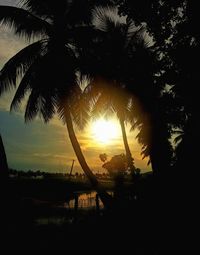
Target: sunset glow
{"points": [[105, 131]]}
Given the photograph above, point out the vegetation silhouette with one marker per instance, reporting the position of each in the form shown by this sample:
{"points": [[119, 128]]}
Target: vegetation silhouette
{"points": [[173, 27], [140, 65], [3, 162], [47, 67], [177, 49], [111, 43], [4, 177], [116, 167], [117, 83]]}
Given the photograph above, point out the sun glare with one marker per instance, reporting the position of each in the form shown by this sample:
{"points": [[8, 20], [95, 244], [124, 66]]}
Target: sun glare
{"points": [[105, 131]]}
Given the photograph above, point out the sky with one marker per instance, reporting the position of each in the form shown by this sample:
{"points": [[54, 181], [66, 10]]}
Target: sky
{"points": [[39, 146]]}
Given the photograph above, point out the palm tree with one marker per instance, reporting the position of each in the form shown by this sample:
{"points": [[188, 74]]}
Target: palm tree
{"points": [[105, 62], [121, 57], [106, 99], [47, 67]]}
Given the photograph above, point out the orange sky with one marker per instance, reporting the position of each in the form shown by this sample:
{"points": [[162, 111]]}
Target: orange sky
{"points": [[92, 147], [47, 147]]}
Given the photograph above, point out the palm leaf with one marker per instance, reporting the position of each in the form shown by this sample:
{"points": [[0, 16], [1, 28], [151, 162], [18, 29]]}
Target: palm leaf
{"points": [[46, 8], [19, 64], [80, 111], [42, 104], [23, 87], [32, 106], [54, 82], [23, 22], [48, 104], [102, 105], [26, 83], [43, 89], [105, 18], [61, 104]]}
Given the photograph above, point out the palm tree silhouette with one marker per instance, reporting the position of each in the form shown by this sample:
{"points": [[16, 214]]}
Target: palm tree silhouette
{"points": [[105, 62], [121, 57], [106, 99], [47, 67]]}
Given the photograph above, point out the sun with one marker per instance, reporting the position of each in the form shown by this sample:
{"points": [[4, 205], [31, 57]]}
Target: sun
{"points": [[105, 131]]}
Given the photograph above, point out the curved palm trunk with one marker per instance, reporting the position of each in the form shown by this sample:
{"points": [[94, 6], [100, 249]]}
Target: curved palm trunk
{"points": [[104, 196], [126, 146]]}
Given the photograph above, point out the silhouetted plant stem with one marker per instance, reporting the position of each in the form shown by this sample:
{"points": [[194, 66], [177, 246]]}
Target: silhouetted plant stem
{"points": [[126, 146]]}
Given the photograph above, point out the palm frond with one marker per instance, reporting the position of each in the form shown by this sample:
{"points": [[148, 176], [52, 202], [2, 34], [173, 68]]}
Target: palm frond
{"points": [[61, 104], [48, 103], [92, 91], [46, 8], [105, 19], [22, 89], [32, 106], [23, 22], [137, 35], [80, 110], [27, 82], [102, 105], [42, 104], [19, 64], [38, 7], [31, 80], [41, 80]]}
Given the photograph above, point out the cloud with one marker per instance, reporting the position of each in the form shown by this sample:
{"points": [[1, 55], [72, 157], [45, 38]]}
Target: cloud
{"points": [[9, 44], [9, 2]]}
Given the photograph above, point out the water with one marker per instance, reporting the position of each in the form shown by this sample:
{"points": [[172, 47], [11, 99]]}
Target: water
{"points": [[85, 201]]}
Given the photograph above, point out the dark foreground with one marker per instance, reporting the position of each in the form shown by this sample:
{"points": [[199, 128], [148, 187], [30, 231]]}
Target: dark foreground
{"points": [[148, 223]]}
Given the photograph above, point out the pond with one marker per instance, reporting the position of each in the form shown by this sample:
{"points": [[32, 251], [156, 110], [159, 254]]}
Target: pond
{"points": [[84, 201]]}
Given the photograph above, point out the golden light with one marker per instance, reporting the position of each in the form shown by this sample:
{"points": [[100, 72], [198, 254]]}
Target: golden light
{"points": [[105, 131]]}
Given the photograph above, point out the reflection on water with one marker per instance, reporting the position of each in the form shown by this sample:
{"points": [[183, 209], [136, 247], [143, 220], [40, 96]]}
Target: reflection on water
{"points": [[52, 220], [85, 201]]}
